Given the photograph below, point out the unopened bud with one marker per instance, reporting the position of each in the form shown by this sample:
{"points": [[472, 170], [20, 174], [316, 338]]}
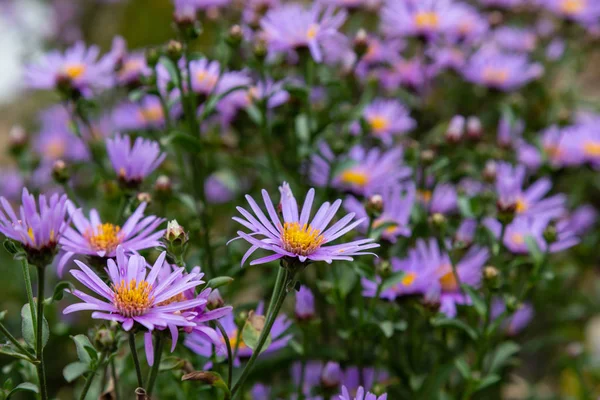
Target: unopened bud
{"points": [[427, 156], [474, 128], [235, 36], [512, 304], [104, 339], [175, 233], [437, 219], [260, 49], [60, 172], [144, 197], [241, 318], [17, 139], [185, 18], [163, 184], [215, 300], [361, 43], [152, 57], [551, 233], [489, 171], [490, 272], [456, 129], [384, 269], [174, 50], [375, 204], [331, 376]]}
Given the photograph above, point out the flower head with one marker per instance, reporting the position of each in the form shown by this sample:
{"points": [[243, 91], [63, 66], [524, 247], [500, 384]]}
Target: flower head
{"points": [[293, 27], [298, 236], [204, 75], [305, 303], [147, 114], [361, 394], [39, 225], [585, 12], [92, 237], [56, 140], [386, 118], [135, 295], [133, 164]]}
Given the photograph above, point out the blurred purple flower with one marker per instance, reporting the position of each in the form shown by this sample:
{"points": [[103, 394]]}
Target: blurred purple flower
{"points": [[133, 164], [146, 114], [386, 118], [305, 303], [515, 323]]}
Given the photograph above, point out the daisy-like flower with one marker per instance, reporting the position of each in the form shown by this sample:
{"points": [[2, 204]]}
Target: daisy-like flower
{"points": [[254, 10], [78, 67], [39, 225], [203, 345], [135, 295], [512, 38], [361, 394], [518, 321], [585, 12], [298, 236], [442, 199], [468, 25], [562, 146], [513, 198], [398, 202], [293, 27], [387, 118], [133, 164], [232, 86], [409, 73], [305, 304], [147, 114], [501, 71], [56, 140], [204, 75], [273, 92], [370, 172], [92, 237], [133, 67], [426, 18]]}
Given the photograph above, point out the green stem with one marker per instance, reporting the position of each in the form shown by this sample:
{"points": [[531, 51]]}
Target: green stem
{"points": [[113, 371], [265, 130], [276, 289], [281, 284], [39, 346], [158, 350], [136, 361], [90, 378], [27, 278], [229, 352], [14, 341]]}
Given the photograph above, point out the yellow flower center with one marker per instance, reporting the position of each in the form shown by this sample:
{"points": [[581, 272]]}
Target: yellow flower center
{"points": [[517, 238], [592, 149], [56, 149], [133, 299], [105, 237], [175, 299], [389, 230], [152, 114], [553, 151], [233, 340], [427, 19], [301, 240], [131, 66], [312, 31], [495, 76], [408, 279], [448, 280], [425, 195], [354, 177], [31, 235], [379, 123], [571, 7], [74, 71], [521, 205]]}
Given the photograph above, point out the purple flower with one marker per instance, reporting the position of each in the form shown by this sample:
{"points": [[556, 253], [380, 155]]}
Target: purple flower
{"points": [[502, 71], [204, 75], [270, 91], [133, 68], [203, 345], [562, 146], [219, 188], [515, 323], [133, 164], [398, 202], [582, 219], [312, 377], [255, 9], [56, 140], [509, 132], [11, 184], [444, 199], [352, 4], [260, 392], [530, 201], [503, 3], [92, 237], [231, 86], [511, 38], [555, 49], [147, 114], [135, 295], [387, 118], [296, 236], [331, 375], [410, 73], [39, 225], [292, 27], [370, 172], [360, 395], [78, 66], [466, 231], [585, 12], [305, 304]]}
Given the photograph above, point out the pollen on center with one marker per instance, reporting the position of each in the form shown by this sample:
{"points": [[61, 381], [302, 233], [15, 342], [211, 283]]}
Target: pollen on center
{"points": [[301, 240]]}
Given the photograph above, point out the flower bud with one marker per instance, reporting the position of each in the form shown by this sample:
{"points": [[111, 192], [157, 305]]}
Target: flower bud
{"points": [[550, 233], [437, 219], [512, 304], [215, 300], [490, 272], [60, 172], [174, 50], [427, 156], [241, 318], [489, 171], [17, 139], [305, 304], [384, 269], [331, 376], [234, 36], [375, 204], [455, 129], [163, 184], [259, 49], [361, 43], [104, 339], [474, 128], [175, 233], [152, 57]]}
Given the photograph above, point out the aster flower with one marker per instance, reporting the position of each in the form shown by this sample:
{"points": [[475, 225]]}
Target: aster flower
{"points": [[503, 3], [133, 68], [562, 146], [136, 296], [321, 162], [409, 73], [466, 231], [11, 184], [509, 132], [56, 140], [296, 236], [442, 199], [219, 187], [234, 100], [293, 27], [585, 12], [133, 164], [369, 172], [260, 392], [92, 237], [39, 225], [273, 92], [516, 322], [78, 66], [147, 114], [305, 303], [398, 202], [501, 71], [583, 219], [513, 197], [360, 395], [352, 4], [308, 374], [386, 118], [204, 75], [254, 10], [200, 344], [511, 38]]}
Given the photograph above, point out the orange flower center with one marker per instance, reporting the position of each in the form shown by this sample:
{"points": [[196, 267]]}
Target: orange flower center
{"points": [[592, 149], [105, 237], [312, 32], [74, 71], [133, 299], [495, 76], [379, 123], [517, 238], [427, 19], [354, 177], [521, 205], [152, 114], [425, 195], [571, 7], [56, 149], [301, 240]]}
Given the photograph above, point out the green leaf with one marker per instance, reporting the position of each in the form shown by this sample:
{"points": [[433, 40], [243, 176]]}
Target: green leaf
{"points": [[302, 131], [189, 143], [23, 387], [252, 329], [347, 280], [2, 315], [487, 381], [85, 350], [392, 280], [364, 270], [27, 327], [478, 302], [219, 281], [387, 327], [464, 205], [59, 291], [452, 322], [463, 367], [503, 353], [11, 351], [75, 370], [171, 363], [136, 95], [210, 378], [534, 249]]}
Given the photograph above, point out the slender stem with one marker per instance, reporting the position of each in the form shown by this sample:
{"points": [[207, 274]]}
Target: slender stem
{"points": [[238, 337], [90, 378], [39, 346], [136, 361], [113, 371], [265, 130], [276, 289], [229, 352], [283, 280], [27, 278], [158, 350], [14, 341]]}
